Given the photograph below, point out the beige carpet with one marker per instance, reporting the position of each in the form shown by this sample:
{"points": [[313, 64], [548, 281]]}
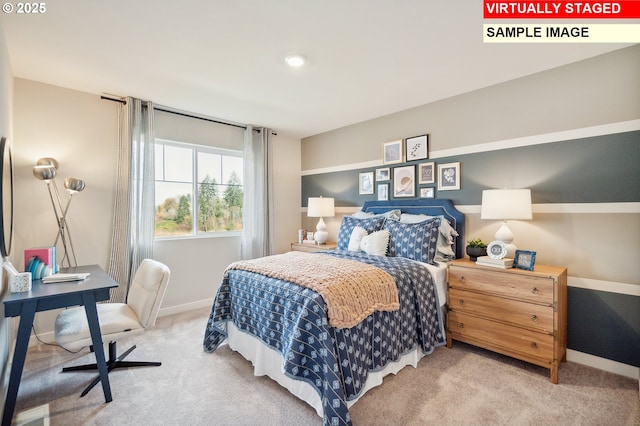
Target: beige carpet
{"points": [[458, 386]]}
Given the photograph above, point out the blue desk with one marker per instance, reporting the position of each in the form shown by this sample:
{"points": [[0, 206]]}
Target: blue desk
{"points": [[44, 297]]}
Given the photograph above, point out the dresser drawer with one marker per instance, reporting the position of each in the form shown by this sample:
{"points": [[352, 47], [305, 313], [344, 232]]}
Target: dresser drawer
{"points": [[498, 336], [524, 314], [533, 288]]}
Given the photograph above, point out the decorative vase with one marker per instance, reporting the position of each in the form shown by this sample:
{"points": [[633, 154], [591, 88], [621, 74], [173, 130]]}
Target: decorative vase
{"points": [[474, 252]]}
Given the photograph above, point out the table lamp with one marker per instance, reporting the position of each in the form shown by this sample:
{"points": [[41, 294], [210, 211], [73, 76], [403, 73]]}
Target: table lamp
{"points": [[320, 207], [506, 204]]}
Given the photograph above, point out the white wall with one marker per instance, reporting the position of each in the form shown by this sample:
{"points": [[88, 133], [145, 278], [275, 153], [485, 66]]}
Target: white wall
{"points": [[6, 119], [80, 130]]}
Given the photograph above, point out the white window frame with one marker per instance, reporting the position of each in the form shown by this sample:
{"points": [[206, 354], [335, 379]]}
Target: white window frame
{"points": [[194, 181]]}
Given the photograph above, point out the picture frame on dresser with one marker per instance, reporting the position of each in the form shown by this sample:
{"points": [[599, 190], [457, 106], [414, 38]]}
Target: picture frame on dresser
{"points": [[524, 259]]}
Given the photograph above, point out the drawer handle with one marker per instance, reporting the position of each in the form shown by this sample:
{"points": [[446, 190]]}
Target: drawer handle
{"points": [[461, 325], [534, 318], [461, 278], [534, 345], [461, 302], [534, 290]]}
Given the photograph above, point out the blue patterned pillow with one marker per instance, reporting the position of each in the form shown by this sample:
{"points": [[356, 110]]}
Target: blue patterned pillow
{"points": [[348, 223], [417, 241]]}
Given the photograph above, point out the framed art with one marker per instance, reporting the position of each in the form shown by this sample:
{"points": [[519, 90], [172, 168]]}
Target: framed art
{"points": [[417, 147], [383, 192], [392, 152], [383, 174], [365, 183], [448, 176], [524, 259], [427, 192], [426, 173], [404, 181]]}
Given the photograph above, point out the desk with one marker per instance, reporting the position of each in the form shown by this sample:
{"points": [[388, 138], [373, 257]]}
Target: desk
{"points": [[44, 297]]}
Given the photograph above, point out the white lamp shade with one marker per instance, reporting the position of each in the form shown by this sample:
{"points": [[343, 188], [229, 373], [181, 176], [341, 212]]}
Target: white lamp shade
{"points": [[320, 207], [506, 204]]}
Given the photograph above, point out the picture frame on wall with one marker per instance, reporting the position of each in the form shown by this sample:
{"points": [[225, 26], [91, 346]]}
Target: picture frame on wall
{"points": [[383, 174], [404, 181], [426, 173], [417, 147], [449, 176], [392, 152], [365, 183], [427, 192], [383, 192]]}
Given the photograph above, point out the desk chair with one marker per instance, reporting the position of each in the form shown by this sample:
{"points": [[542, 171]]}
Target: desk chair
{"points": [[117, 319]]}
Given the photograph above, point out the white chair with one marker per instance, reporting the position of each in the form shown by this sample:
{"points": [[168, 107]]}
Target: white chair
{"points": [[117, 319]]}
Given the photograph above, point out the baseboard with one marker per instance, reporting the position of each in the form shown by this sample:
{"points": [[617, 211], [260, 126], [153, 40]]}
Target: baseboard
{"points": [[603, 364], [48, 337], [192, 306], [38, 416]]}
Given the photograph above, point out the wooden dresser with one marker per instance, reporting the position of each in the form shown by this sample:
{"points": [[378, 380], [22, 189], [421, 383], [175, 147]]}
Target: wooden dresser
{"points": [[522, 314]]}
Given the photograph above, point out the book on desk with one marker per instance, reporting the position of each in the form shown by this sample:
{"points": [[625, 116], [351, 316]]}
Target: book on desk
{"points": [[61, 278]]}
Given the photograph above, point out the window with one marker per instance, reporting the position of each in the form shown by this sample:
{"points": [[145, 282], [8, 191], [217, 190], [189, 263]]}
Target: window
{"points": [[198, 189]]}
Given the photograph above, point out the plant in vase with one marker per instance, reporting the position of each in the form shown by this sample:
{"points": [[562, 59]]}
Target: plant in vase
{"points": [[476, 248]]}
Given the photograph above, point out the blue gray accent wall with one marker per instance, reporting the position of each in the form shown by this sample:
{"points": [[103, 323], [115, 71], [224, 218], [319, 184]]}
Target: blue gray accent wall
{"points": [[592, 316], [600, 169]]}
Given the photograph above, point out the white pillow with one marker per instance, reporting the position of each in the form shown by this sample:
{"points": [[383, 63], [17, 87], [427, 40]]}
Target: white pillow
{"points": [[414, 218], [357, 235], [391, 214], [376, 243]]}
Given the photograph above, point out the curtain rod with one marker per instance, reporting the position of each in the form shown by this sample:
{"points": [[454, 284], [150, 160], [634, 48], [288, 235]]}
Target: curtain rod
{"points": [[199, 117], [185, 114], [122, 101]]}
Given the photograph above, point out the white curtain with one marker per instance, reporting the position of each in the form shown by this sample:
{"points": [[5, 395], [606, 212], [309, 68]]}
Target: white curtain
{"points": [[133, 221], [257, 208]]}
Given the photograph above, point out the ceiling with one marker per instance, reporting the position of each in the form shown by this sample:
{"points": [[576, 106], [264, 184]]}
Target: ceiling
{"points": [[225, 59]]}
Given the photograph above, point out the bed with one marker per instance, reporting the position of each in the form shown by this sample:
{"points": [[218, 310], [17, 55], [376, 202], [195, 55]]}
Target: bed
{"points": [[292, 332]]}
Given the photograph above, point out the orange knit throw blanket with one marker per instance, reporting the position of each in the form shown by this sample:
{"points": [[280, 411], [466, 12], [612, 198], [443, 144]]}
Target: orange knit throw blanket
{"points": [[352, 290]]}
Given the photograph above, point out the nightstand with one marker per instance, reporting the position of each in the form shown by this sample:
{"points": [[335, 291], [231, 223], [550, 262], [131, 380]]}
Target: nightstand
{"points": [[522, 314], [312, 247]]}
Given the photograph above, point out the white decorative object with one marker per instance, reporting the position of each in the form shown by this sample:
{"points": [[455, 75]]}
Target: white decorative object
{"points": [[321, 207], [20, 282], [506, 204], [497, 250]]}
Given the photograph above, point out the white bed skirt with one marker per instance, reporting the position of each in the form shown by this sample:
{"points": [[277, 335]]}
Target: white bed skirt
{"points": [[268, 361]]}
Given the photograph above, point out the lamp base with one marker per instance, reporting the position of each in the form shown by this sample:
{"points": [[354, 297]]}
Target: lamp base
{"points": [[321, 235], [505, 235]]}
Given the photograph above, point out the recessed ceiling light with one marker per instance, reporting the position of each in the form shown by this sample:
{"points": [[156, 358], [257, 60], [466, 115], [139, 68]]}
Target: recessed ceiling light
{"points": [[295, 60]]}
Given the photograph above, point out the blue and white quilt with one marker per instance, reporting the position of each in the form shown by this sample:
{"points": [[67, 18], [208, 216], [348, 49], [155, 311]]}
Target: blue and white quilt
{"points": [[293, 320]]}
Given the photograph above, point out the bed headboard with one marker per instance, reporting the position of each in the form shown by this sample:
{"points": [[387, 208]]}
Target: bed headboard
{"points": [[428, 206]]}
